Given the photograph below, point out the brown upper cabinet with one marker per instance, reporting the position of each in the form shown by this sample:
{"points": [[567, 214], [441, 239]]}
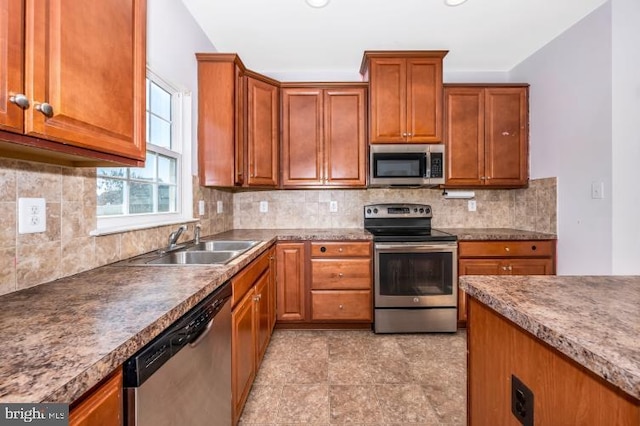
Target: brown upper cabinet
{"points": [[72, 81], [323, 135], [238, 116], [486, 135], [405, 89]]}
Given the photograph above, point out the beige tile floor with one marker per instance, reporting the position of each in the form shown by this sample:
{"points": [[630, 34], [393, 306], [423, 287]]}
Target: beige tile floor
{"points": [[360, 378]]}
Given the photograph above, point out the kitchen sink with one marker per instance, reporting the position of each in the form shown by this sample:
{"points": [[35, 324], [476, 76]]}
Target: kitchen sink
{"points": [[215, 252], [222, 245], [195, 257]]}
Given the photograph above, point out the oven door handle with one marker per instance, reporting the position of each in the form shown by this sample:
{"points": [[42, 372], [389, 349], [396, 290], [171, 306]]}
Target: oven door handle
{"points": [[446, 247]]}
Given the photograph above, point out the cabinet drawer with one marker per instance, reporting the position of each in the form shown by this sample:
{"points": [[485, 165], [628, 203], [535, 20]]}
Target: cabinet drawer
{"points": [[531, 248], [340, 274], [340, 248], [245, 279], [341, 305]]}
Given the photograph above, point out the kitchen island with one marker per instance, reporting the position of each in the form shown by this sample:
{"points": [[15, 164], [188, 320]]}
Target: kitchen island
{"points": [[571, 341]]}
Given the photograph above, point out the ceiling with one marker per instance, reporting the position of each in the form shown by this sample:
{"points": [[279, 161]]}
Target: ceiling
{"points": [[289, 40]]}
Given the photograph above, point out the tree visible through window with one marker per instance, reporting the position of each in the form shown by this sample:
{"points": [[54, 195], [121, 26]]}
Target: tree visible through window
{"points": [[152, 189]]}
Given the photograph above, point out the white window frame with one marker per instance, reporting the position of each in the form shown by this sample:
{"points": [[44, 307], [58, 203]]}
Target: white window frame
{"points": [[182, 143]]}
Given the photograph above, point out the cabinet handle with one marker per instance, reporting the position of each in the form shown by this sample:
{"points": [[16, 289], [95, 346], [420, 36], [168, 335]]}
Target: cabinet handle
{"points": [[507, 249], [510, 268], [21, 100], [482, 178], [504, 268], [45, 108], [340, 249], [341, 306], [340, 274]]}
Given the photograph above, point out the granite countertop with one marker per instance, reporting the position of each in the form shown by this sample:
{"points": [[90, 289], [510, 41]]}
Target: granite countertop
{"points": [[594, 320], [61, 338], [497, 234]]}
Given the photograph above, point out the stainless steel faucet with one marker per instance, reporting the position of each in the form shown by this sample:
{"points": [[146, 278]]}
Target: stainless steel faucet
{"points": [[196, 234], [173, 237]]}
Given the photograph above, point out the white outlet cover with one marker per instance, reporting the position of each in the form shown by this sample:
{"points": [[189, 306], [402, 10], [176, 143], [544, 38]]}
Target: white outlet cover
{"points": [[264, 206], [201, 207], [32, 215], [471, 205], [333, 206], [219, 206]]}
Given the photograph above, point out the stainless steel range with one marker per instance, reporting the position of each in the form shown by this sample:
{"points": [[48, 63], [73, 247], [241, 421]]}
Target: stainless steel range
{"points": [[415, 270]]}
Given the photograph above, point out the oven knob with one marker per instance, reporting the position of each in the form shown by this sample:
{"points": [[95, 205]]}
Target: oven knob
{"points": [[427, 210], [416, 300], [415, 210], [375, 211], [421, 210], [369, 211]]}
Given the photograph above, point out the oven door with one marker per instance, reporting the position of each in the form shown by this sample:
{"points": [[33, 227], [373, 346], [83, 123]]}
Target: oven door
{"points": [[415, 275]]}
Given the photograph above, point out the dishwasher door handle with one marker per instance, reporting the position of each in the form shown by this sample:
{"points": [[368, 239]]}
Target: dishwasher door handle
{"points": [[202, 335]]}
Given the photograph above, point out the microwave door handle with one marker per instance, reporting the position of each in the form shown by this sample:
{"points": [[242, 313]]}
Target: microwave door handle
{"points": [[427, 169]]}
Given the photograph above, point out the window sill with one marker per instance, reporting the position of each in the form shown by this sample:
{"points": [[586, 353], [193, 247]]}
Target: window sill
{"points": [[126, 228]]}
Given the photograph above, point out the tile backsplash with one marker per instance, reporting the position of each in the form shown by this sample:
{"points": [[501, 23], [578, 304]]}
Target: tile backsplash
{"points": [[531, 209], [67, 247]]}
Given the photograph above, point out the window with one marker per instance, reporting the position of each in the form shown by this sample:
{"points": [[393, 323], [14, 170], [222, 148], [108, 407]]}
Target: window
{"points": [[159, 192]]}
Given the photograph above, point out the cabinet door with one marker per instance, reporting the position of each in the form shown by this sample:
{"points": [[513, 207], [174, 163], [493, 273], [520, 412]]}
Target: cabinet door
{"points": [[341, 305], [103, 406], [262, 133], [11, 62], [530, 266], [424, 100], [291, 289], [263, 330], [506, 136], [464, 136], [474, 267], [89, 65], [388, 103], [302, 163], [243, 351], [344, 137]]}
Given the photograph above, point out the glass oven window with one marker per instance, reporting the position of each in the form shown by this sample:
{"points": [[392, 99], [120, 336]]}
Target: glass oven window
{"points": [[416, 274]]}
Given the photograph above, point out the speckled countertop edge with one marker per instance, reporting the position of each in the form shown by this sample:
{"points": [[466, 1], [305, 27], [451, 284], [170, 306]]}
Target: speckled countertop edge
{"points": [[580, 316], [489, 234]]}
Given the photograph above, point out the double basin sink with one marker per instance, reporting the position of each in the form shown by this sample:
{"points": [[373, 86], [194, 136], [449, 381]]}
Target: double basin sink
{"points": [[217, 252]]}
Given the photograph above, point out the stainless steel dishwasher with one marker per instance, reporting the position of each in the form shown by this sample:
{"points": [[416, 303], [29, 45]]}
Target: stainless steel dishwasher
{"points": [[183, 376]]}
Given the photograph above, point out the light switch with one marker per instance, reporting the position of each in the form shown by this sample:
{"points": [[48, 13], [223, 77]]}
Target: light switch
{"points": [[333, 206], [219, 207], [201, 207], [264, 206], [471, 205], [597, 190]]}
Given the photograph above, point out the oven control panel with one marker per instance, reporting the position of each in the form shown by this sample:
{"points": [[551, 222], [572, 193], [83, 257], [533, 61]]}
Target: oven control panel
{"points": [[397, 211]]}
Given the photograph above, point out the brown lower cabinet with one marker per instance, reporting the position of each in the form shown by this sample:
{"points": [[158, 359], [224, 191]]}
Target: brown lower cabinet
{"points": [[101, 406], [564, 393], [324, 282], [252, 322], [508, 257]]}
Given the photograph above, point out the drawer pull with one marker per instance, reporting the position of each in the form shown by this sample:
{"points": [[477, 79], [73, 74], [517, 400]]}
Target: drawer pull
{"points": [[534, 248], [507, 249], [504, 268], [323, 249], [340, 249], [341, 306], [340, 275]]}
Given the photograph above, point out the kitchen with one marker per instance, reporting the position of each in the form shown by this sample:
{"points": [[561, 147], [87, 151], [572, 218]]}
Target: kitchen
{"points": [[590, 240]]}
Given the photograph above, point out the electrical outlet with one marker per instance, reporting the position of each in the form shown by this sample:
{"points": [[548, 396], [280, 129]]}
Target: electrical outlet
{"points": [[264, 206], [597, 190], [219, 206], [201, 207], [521, 402], [471, 205], [32, 215], [333, 206]]}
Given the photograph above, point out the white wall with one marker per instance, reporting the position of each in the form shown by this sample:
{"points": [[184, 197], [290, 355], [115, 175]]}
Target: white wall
{"points": [[173, 38], [626, 138], [570, 136]]}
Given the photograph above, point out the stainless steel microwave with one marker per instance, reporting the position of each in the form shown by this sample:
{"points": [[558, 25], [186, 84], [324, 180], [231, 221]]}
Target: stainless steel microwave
{"points": [[406, 165]]}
